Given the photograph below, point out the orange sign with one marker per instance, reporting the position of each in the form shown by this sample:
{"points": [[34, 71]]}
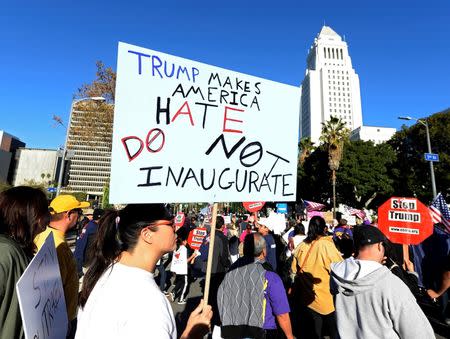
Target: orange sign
{"points": [[253, 206], [196, 236]]}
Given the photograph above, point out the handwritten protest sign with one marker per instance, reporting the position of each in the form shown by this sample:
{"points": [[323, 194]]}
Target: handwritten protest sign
{"points": [[188, 132], [41, 295]]}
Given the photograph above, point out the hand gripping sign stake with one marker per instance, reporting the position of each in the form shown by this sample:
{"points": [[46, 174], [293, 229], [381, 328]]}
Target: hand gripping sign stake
{"points": [[212, 237]]}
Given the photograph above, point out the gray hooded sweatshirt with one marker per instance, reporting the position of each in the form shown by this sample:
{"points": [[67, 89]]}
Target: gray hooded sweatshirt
{"points": [[371, 302]]}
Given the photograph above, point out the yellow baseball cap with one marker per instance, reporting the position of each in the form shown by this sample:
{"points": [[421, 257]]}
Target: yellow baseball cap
{"points": [[65, 202]]}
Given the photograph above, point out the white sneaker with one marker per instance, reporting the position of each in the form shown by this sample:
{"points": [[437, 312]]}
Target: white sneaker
{"points": [[181, 302]]}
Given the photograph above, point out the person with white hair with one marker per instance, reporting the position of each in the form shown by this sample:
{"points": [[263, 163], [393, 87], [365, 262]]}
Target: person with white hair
{"points": [[252, 310], [271, 248]]}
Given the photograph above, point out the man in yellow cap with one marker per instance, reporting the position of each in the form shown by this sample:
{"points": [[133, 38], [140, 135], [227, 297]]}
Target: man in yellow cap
{"points": [[65, 211]]}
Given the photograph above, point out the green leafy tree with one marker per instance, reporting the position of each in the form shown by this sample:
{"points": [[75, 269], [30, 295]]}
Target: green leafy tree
{"points": [[105, 196], [411, 173], [305, 147], [364, 175], [313, 177], [80, 196], [4, 186], [334, 135]]}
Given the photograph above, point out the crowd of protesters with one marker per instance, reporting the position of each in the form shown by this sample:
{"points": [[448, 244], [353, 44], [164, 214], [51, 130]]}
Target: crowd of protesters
{"points": [[341, 282]]}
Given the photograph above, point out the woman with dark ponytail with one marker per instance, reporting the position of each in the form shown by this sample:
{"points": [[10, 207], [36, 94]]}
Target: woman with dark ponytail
{"points": [[311, 268], [119, 297], [23, 214]]}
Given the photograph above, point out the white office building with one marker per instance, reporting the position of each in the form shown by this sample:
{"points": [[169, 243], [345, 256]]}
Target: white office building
{"points": [[89, 155], [372, 133], [38, 166], [330, 86]]}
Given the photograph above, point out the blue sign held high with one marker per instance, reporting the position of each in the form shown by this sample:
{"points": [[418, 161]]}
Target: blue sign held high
{"points": [[282, 208]]}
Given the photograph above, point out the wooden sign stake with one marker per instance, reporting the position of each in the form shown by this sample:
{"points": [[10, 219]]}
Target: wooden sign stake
{"points": [[212, 237]]}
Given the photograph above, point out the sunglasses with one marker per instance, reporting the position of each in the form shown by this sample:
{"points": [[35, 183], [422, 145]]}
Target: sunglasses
{"points": [[169, 223], [79, 211]]}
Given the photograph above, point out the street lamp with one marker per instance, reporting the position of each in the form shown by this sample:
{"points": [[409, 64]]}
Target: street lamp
{"points": [[425, 123], [63, 157]]}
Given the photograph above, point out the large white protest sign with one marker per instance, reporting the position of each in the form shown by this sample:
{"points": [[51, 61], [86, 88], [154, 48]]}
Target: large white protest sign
{"points": [[186, 131], [41, 295]]}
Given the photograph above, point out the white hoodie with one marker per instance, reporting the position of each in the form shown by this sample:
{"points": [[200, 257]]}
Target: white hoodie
{"points": [[371, 302]]}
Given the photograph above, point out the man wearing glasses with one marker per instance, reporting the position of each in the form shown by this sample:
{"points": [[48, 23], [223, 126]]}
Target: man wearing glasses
{"points": [[64, 213], [370, 301]]}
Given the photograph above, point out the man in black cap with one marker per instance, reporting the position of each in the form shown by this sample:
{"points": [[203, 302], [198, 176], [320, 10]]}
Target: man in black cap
{"points": [[370, 301]]}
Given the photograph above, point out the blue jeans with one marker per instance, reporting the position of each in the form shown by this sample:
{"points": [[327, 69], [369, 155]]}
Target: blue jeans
{"points": [[162, 276]]}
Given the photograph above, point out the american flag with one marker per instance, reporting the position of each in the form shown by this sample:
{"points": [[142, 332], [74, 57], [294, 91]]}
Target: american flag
{"points": [[313, 206], [359, 213], [439, 212]]}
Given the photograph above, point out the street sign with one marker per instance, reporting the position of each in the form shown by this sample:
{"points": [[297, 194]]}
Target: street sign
{"points": [[253, 206], [405, 221], [51, 189], [432, 157]]}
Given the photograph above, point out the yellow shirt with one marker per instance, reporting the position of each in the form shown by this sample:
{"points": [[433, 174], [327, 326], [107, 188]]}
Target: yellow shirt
{"points": [[323, 253], [67, 267]]}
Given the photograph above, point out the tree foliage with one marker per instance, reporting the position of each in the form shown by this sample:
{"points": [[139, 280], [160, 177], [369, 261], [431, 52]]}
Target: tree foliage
{"points": [[334, 134], [96, 121], [364, 175], [104, 85], [305, 147], [313, 177], [411, 173], [363, 180]]}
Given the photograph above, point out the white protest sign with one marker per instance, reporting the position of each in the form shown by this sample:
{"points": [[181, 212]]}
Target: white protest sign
{"points": [[351, 219], [188, 132], [226, 219], [277, 222], [41, 295]]}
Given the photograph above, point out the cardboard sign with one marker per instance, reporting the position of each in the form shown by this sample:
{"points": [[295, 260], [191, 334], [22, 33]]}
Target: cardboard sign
{"points": [[196, 236], [253, 206], [276, 222], [226, 219], [41, 295], [191, 132], [351, 219], [328, 216], [405, 220]]}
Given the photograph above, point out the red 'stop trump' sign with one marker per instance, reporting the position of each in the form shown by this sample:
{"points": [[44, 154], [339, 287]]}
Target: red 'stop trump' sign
{"points": [[405, 221]]}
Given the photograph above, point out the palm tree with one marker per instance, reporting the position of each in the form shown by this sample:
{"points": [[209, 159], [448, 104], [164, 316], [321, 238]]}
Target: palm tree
{"points": [[334, 134], [306, 147]]}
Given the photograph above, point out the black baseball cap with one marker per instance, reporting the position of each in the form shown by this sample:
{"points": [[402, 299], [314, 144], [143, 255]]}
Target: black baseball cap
{"points": [[367, 235], [97, 214]]}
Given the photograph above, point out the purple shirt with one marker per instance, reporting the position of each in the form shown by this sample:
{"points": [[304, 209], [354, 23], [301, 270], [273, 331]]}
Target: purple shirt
{"points": [[276, 300]]}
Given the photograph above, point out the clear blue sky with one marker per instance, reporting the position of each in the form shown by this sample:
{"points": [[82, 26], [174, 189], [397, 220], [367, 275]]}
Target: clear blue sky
{"points": [[400, 49]]}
